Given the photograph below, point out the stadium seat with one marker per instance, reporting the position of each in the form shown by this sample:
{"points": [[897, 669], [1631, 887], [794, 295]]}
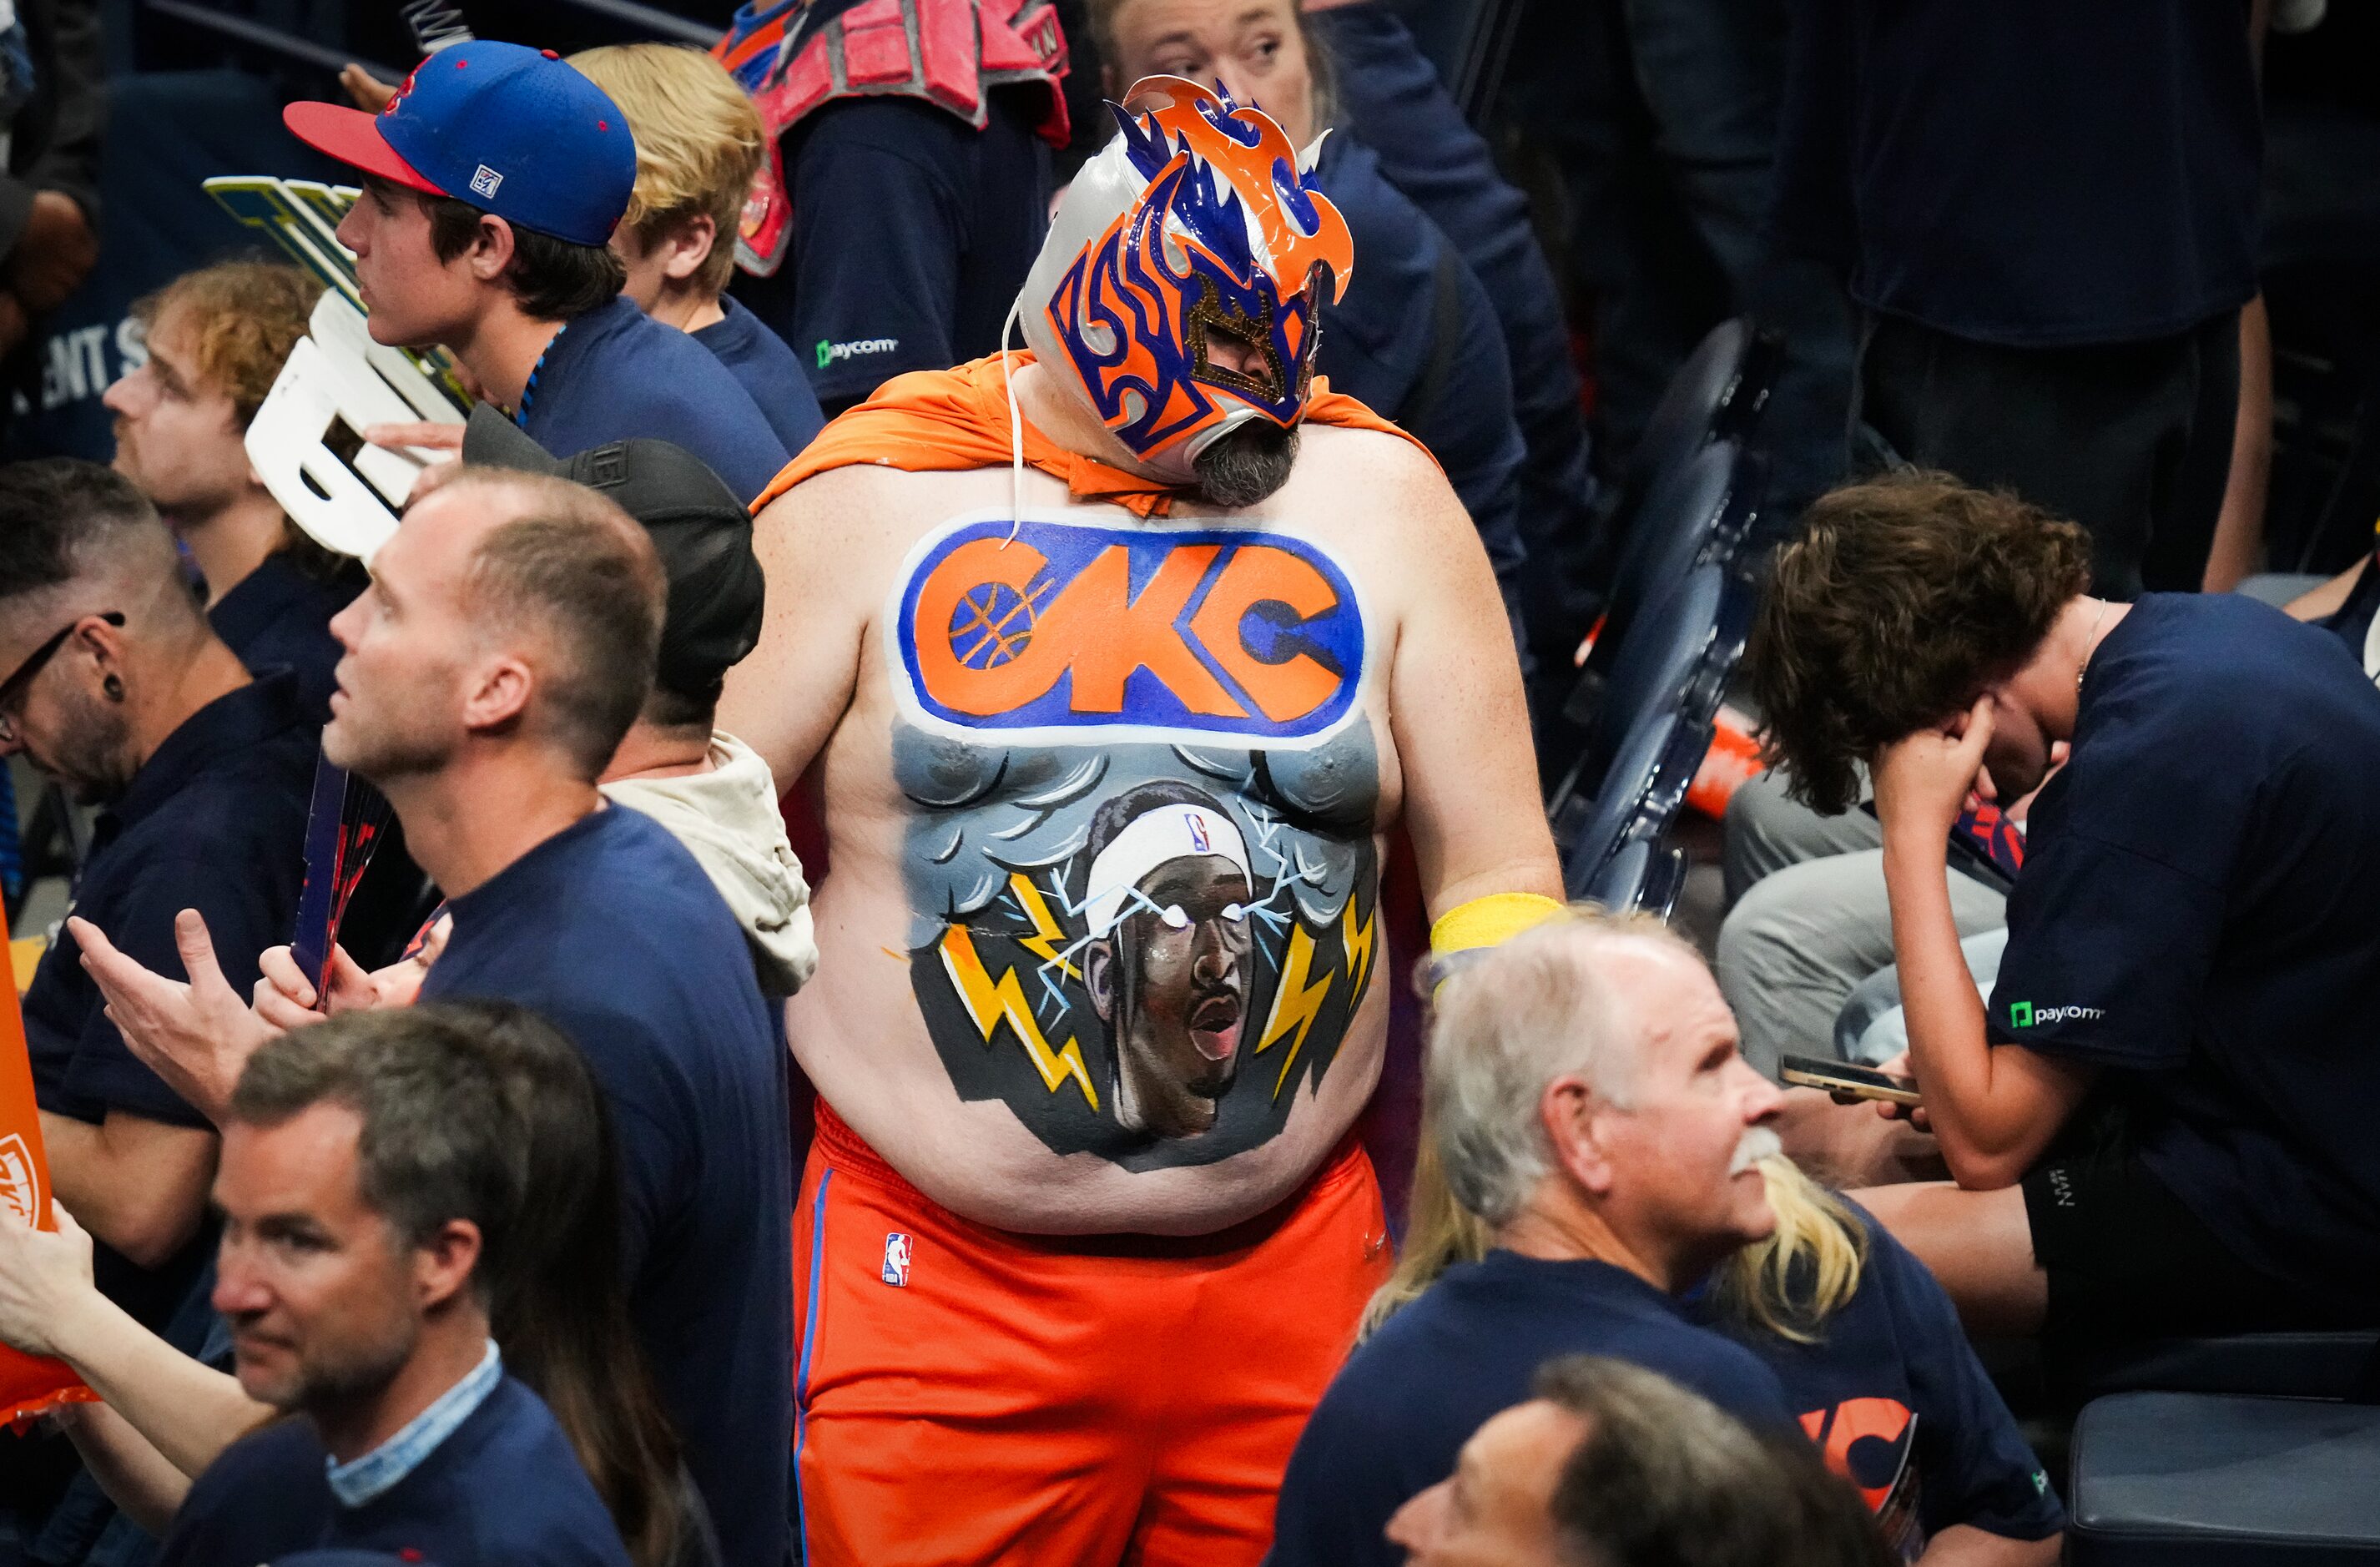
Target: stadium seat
{"points": [[2210, 1480], [1656, 668], [1680, 521], [1640, 876], [2304, 1364], [1639, 799], [1718, 393]]}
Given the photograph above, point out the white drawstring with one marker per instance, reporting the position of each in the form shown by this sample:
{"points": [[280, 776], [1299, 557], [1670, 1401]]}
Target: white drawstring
{"points": [[1016, 427]]}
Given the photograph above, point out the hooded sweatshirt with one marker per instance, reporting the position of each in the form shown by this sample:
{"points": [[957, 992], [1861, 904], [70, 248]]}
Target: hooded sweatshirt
{"points": [[727, 819]]}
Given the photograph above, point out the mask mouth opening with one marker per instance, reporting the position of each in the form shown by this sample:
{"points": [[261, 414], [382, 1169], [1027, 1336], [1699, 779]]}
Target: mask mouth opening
{"points": [[1210, 323]]}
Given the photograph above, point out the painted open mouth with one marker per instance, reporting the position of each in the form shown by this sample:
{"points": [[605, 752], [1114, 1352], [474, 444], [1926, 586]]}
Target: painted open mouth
{"points": [[1215, 1027]]}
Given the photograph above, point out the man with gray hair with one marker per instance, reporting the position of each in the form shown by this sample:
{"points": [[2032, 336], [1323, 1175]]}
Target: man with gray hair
{"points": [[1586, 1099]]}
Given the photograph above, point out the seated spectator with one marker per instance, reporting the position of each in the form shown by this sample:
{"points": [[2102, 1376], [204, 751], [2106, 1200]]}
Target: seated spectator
{"points": [[2191, 934], [507, 644], [557, 1308], [1414, 337], [711, 790], [1586, 1099], [1611, 1465], [489, 198], [1875, 1365], [372, 1174], [1867, 1346], [118, 690], [698, 145], [903, 219], [217, 338]]}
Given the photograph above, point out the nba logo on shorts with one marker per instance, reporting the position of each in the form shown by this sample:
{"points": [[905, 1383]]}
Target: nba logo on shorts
{"points": [[896, 1260], [484, 183]]}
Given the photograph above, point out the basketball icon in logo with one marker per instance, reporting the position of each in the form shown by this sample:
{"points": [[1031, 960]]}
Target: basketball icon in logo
{"points": [[21, 1188], [993, 623]]}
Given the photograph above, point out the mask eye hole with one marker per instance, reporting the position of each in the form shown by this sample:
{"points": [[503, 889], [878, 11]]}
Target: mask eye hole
{"points": [[1173, 915], [1236, 912]]}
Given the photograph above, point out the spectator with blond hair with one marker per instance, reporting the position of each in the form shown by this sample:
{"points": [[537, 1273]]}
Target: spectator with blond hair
{"points": [[217, 339], [698, 146]]}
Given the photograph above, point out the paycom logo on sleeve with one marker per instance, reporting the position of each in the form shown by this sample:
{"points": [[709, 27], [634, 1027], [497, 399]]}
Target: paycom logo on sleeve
{"points": [[2024, 1014], [831, 352]]}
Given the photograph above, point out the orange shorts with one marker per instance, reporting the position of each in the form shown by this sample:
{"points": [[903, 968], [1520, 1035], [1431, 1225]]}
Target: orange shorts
{"points": [[967, 1395]]}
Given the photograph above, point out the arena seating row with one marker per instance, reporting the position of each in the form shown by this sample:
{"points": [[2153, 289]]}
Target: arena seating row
{"points": [[2229, 1452], [1673, 631]]}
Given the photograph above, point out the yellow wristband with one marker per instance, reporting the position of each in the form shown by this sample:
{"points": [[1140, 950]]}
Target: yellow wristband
{"points": [[1485, 922]]}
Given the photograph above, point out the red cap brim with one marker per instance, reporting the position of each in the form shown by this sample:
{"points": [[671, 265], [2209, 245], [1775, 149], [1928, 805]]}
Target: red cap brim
{"points": [[352, 137]]}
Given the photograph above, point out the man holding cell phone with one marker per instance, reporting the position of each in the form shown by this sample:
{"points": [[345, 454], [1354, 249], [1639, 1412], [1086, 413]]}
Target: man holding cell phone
{"points": [[2156, 1124]]}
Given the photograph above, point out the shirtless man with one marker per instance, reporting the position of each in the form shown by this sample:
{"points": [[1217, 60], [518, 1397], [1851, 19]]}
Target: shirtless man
{"points": [[1048, 1316]]}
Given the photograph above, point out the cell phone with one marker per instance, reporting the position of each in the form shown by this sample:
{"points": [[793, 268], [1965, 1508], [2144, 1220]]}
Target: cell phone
{"points": [[1843, 1077]]}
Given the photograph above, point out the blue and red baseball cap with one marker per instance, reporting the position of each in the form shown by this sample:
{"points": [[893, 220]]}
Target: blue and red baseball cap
{"points": [[512, 130]]}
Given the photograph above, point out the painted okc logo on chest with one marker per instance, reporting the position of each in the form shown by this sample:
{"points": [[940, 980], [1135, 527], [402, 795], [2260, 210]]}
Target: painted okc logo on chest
{"points": [[1060, 628]]}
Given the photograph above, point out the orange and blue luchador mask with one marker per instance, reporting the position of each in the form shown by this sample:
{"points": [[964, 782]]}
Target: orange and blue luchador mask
{"points": [[1192, 228]]}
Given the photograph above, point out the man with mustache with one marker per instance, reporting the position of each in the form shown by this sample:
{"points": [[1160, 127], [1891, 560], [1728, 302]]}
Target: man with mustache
{"points": [[1169, 974], [1584, 1097]]}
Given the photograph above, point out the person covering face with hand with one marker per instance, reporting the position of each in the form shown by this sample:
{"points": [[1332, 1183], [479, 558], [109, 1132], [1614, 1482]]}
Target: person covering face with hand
{"points": [[2191, 931]]}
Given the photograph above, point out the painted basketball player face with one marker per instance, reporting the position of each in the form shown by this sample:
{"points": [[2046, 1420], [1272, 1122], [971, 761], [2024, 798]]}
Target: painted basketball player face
{"points": [[1172, 984], [1141, 862]]}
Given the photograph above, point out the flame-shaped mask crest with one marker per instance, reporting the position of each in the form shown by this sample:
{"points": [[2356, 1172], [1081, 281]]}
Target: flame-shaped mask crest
{"points": [[1178, 289]]}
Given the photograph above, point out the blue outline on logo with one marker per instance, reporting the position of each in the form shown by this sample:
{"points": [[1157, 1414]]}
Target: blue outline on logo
{"points": [[1336, 637]]}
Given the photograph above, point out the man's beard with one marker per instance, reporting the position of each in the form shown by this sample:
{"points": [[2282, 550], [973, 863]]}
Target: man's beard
{"points": [[94, 743], [353, 1373], [1244, 466]]}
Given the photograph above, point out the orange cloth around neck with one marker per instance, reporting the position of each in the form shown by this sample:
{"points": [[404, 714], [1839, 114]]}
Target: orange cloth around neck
{"points": [[943, 420]]}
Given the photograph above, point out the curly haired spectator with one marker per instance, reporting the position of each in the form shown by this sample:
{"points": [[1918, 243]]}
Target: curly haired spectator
{"points": [[217, 337]]}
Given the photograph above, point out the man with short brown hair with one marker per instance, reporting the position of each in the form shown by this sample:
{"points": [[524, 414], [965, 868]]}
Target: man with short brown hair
{"points": [[506, 644], [2195, 930]]}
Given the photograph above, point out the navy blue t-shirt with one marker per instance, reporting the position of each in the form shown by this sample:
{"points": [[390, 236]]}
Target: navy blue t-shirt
{"points": [[1396, 1417], [1895, 1398], [2199, 913], [912, 233], [278, 617], [611, 930], [503, 1489], [1416, 341], [2028, 172], [615, 373], [766, 368], [1391, 97], [213, 821]]}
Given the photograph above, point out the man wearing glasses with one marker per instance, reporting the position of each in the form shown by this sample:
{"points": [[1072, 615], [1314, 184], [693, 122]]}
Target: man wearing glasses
{"points": [[118, 688]]}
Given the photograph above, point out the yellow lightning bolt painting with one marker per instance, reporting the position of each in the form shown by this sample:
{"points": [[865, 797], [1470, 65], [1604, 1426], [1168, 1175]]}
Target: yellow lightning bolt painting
{"points": [[989, 1002]]}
